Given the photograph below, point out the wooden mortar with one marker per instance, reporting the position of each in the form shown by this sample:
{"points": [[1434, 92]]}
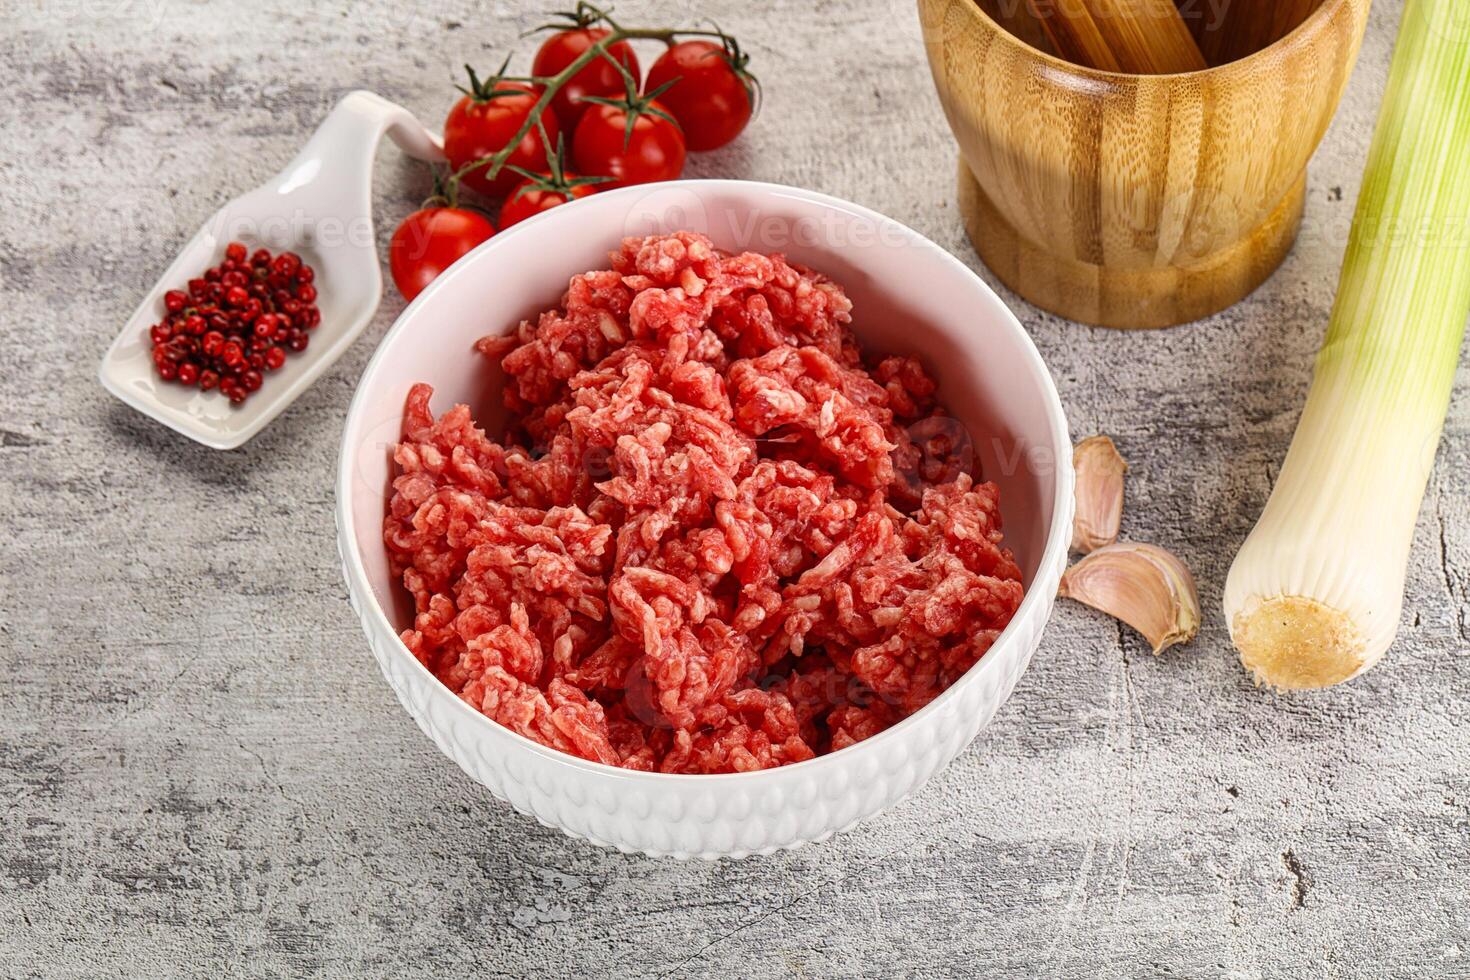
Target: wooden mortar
{"points": [[1134, 200]]}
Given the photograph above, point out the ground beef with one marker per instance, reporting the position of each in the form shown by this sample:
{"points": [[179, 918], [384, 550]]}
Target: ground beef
{"points": [[715, 537]]}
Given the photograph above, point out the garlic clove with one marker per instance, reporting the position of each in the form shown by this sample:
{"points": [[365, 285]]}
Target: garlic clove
{"points": [[1099, 494], [1141, 584]]}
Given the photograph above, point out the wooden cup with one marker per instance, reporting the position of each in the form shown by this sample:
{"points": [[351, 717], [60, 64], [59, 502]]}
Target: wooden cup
{"points": [[1134, 200]]}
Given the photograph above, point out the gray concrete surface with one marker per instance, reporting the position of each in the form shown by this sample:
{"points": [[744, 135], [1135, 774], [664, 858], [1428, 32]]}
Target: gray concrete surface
{"points": [[202, 772]]}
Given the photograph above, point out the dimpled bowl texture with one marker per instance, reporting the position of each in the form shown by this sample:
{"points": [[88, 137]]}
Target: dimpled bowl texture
{"points": [[909, 296]]}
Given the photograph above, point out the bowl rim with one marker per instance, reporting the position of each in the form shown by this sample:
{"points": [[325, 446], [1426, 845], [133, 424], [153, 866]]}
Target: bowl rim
{"points": [[1036, 602], [1291, 39]]}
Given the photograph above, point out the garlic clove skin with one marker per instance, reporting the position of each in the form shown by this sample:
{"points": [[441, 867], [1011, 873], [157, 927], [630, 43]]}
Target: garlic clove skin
{"points": [[1141, 584], [1099, 493]]}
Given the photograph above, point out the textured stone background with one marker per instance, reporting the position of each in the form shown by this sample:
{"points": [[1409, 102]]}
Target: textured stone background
{"points": [[202, 770]]}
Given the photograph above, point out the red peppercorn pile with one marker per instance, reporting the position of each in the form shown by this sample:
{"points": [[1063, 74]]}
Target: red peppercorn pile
{"points": [[236, 322]]}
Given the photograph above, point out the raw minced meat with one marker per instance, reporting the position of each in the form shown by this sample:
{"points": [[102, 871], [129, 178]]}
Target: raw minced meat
{"points": [[715, 538]]}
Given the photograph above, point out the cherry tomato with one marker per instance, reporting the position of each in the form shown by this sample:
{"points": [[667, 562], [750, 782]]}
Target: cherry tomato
{"points": [[655, 151], [712, 97], [484, 121], [597, 77], [430, 241], [531, 197]]}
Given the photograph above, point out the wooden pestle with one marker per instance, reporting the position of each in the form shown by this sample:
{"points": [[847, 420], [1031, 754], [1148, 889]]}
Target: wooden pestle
{"points": [[1138, 37]]}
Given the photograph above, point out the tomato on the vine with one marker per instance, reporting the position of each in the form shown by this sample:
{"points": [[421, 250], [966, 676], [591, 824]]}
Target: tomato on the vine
{"points": [[545, 190], [598, 77], [430, 241], [708, 90], [485, 121], [633, 140], [536, 194]]}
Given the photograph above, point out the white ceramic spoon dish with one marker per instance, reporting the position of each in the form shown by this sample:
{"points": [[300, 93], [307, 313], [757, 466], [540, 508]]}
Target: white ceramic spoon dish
{"points": [[319, 206]]}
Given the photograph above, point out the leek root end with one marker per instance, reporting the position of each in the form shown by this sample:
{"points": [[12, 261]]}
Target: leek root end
{"points": [[1297, 643]]}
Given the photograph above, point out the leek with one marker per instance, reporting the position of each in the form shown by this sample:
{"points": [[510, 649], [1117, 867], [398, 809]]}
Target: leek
{"points": [[1315, 594]]}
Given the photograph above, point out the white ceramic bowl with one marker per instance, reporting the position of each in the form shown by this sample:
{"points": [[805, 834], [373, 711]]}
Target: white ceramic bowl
{"points": [[909, 295]]}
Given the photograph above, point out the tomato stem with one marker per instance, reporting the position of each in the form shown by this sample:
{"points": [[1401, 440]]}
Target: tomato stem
{"points": [[445, 196], [583, 17], [636, 105], [488, 89], [556, 181]]}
